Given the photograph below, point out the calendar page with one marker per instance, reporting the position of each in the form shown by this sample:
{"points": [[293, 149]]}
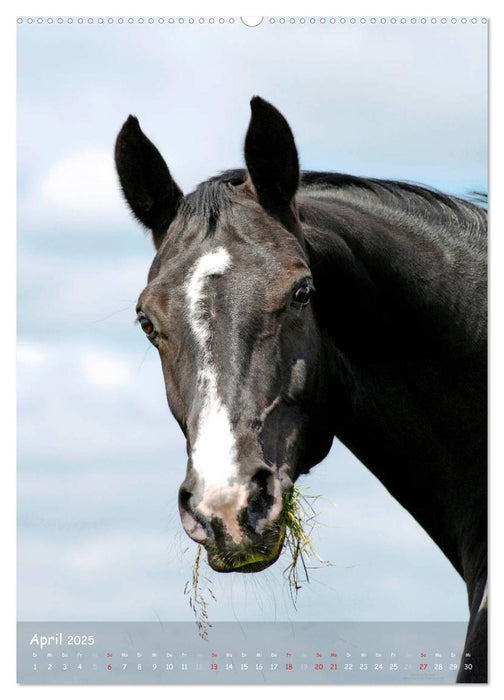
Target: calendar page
{"points": [[251, 349]]}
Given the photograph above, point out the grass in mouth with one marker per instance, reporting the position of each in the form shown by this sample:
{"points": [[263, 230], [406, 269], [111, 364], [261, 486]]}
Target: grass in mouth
{"points": [[300, 520]]}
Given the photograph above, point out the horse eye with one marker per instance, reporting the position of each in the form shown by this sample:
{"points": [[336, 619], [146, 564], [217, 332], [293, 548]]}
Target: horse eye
{"points": [[147, 325], [302, 294]]}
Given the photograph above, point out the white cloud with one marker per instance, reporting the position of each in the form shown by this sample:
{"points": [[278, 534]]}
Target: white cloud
{"points": [[83, 186], [30, 355], [64, 297], [104, 371], [89, 399]]}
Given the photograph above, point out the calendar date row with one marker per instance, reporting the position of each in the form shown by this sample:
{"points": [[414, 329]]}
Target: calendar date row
{"points": [[139, 667]]}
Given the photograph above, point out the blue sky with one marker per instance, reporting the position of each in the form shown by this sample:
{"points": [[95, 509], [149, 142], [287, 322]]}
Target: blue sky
{"points": [[99, 457]]}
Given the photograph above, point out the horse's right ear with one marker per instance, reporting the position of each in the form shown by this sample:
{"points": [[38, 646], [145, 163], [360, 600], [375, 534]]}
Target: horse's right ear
{"points": [[149, 189], [271, 158]]}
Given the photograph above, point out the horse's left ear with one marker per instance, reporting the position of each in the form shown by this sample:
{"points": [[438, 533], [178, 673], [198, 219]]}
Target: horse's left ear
{"points": [[271, 158]]}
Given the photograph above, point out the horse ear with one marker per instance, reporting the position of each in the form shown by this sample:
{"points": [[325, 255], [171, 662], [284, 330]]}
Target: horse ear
{"points": [[148, 187], [271, 157]]}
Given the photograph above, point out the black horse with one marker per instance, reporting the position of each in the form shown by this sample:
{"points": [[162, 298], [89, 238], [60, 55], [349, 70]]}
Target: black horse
{"points": [[291, 307]]}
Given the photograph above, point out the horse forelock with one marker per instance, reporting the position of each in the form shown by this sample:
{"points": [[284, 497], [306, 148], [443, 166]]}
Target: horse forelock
{"points": [[211, 198]]}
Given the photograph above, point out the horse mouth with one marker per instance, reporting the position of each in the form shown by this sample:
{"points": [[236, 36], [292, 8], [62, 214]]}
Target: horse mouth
{"points": [[244, 562]]}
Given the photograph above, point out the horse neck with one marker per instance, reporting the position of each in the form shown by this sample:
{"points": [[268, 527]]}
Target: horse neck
{"points": [[405, 373]]}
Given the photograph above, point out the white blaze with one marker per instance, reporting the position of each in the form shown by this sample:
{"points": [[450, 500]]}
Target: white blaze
{"points": [[214, 450]]}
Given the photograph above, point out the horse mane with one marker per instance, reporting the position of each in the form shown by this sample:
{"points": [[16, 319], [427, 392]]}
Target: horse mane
{"points": [[388, 197], [401, 200]]}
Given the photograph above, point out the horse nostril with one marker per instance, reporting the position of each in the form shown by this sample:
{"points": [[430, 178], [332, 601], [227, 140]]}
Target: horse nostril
{"points": [[261, 496], [193, 523], [184, 499], [260, 479]]}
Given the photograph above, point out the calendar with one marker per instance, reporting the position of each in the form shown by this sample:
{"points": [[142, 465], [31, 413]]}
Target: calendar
{"points": [[296, 653], [232, 536]]}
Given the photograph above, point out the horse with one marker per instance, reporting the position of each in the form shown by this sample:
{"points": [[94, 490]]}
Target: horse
{"points": [[289, 307]]}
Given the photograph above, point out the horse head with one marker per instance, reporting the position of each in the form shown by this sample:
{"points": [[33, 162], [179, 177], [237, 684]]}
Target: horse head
{"points": [[230, 305]]}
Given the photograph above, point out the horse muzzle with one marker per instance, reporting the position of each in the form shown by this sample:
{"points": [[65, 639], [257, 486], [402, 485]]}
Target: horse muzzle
{"points": [[240, 524], [252, 555]]}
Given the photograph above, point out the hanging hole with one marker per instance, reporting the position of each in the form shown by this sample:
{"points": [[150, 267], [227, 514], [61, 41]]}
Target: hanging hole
{"points": [[251, 21]]}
